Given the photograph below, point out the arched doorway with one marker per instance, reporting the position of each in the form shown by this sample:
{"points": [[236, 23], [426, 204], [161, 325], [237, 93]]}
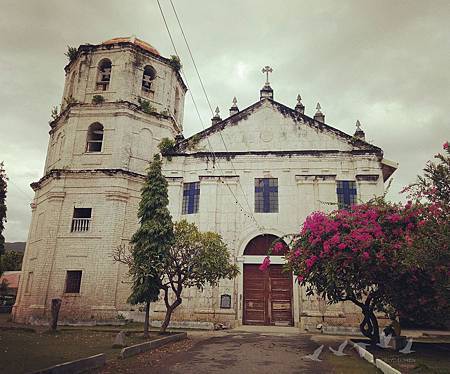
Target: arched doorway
{"points": [[267, 295]]}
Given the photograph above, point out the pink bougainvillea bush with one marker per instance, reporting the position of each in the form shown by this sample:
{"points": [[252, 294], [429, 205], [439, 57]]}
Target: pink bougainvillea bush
{"points": [[354, 255], [383, 257]]}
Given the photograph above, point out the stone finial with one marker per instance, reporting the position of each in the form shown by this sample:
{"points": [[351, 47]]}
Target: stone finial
{"points": [[234, 108], [359, 133], [319, 116], [216, 118], [300, 107]]}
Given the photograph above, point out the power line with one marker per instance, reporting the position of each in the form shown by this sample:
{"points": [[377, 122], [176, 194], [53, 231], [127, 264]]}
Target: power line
{"points": [[208, 101], [251, 216], [192, 58]]}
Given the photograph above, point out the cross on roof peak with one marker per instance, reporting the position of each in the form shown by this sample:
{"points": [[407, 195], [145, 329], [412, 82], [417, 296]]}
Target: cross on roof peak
{"points": [[266, 70]]}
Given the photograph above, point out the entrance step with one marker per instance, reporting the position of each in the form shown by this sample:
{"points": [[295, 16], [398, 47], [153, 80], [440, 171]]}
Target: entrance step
{"points": [[267, 329]]}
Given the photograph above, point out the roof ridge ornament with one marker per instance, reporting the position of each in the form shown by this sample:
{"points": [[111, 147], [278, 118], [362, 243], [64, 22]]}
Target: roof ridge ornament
{"points": [[319, 116], [300, 108], [266, 92], [234, 108], [266, 70], [359, 133], [216, 118]]}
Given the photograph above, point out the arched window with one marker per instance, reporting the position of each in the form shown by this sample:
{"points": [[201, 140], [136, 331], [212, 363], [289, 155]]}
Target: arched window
{"points": [[259, 246], [147, 78], [94, 138], [104, 74]]}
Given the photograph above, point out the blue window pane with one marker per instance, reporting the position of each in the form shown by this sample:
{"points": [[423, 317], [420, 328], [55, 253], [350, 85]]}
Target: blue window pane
{"points": [[266, 195], [346, 193], [191, 197]]}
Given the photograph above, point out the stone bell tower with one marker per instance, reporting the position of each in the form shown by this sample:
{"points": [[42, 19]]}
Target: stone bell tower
{"points": [[121, 97]]}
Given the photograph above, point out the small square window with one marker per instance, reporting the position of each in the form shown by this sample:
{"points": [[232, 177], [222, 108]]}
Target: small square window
{"points": [[81, 219], [73, 281]]}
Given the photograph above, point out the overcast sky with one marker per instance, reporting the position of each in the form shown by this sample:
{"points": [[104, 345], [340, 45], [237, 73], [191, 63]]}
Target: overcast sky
{"points": [[386, 63]]}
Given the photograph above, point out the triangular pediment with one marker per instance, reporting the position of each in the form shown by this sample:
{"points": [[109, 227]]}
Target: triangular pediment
{"points": [[268, 126]]}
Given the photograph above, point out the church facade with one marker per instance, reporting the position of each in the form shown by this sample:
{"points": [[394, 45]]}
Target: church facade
{"points": [[252, 177]]}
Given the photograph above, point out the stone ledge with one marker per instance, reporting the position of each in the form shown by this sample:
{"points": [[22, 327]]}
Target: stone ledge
{"points": [[77, 366], [147, 346], [364, 353], [385, 368]]}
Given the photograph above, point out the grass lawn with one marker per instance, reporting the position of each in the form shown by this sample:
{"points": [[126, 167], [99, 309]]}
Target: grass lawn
{"points": [[25, 351], [429, 357]]}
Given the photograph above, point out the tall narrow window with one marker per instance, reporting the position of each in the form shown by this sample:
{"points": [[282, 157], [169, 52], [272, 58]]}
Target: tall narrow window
{"points": [[147, 78], [94, 138], [29, 283], [177, 103], [73, 281], [191, 197], [266, 195], [81, 220], [346, 193], [104, 75]]}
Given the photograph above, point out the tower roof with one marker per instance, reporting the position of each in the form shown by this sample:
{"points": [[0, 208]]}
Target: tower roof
{"points": [[131, 39]]}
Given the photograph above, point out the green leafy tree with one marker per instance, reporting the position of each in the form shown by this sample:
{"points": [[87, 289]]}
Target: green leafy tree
{"points": [[194, 260], [151, 242], [425, 300], [11, 261], [3, 190]]}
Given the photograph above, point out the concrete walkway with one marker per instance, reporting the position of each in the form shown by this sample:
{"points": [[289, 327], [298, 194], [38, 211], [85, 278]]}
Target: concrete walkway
{"points": [[247, 352]]}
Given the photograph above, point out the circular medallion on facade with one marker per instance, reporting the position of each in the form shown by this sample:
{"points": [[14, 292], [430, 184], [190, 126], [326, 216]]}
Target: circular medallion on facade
{"points": [[266, 135]]}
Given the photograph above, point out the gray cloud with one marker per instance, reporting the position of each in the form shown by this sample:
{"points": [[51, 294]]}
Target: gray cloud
{"points": [[382, 62]]}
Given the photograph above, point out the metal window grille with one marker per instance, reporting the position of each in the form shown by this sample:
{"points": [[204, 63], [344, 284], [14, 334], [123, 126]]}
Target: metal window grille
{"points": [[81, 220]]}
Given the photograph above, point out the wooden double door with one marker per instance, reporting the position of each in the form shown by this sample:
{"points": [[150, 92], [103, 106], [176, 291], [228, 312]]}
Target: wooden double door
{"points": [[267, 296]]}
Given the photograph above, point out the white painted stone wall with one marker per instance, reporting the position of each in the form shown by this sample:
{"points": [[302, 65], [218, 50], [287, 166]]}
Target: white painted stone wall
{"points": [[306, 157]]}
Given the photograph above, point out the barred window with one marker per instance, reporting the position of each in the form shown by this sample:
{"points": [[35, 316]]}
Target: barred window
{"points": [[73, 281], [346, 193], [81, 219], [191, 197], [266, 195]]}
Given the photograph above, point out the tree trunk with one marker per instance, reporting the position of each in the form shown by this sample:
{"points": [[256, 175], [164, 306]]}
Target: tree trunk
{"points": [[169, 310], [146, 320], [56, 305], [369, 326]]}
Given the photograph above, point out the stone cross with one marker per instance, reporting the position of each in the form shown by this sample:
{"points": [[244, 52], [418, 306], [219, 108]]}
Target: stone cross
{"points": [[267, 70]]}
